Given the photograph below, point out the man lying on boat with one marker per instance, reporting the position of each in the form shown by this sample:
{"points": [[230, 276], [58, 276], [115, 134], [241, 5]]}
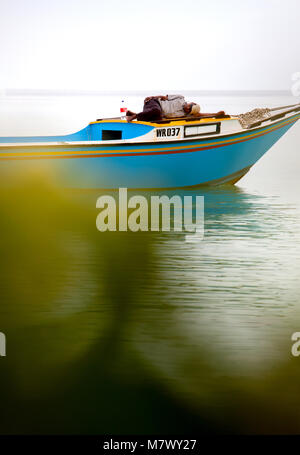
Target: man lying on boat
{"points": [[168, 106]]}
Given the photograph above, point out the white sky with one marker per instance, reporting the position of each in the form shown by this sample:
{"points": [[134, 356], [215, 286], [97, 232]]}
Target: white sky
{"points": [[138, 44]]}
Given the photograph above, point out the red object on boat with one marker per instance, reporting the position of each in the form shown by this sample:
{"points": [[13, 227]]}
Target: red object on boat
{"points": [[123, 110]]}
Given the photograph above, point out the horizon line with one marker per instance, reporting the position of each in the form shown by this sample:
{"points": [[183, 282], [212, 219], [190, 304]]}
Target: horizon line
{"points": [[79, 92]]}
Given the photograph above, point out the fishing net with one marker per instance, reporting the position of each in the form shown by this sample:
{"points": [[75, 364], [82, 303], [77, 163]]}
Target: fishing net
{"points": [[247, 119]]}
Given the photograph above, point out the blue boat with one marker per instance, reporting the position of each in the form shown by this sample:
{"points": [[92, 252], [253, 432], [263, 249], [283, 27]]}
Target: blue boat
{"points": [[178, 153]]}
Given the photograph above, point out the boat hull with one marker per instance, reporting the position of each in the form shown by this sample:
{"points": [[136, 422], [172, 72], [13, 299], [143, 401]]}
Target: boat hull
{"points": [[208, 161]]}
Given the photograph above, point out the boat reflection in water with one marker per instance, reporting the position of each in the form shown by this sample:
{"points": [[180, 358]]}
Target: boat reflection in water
{"points": [[124, 332]]}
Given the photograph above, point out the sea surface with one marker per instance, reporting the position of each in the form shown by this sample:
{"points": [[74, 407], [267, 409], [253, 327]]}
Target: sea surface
{"points": [[115, 333]]}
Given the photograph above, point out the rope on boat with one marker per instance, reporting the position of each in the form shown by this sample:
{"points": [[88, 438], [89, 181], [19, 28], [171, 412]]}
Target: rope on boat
{"points": [[284, 107]]}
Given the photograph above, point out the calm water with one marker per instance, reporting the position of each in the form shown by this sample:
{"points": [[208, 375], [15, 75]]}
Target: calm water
{"points": [[144, 332]]}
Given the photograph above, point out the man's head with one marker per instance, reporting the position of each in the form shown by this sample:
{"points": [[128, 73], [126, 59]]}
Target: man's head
{"points": [[191, 108]]}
